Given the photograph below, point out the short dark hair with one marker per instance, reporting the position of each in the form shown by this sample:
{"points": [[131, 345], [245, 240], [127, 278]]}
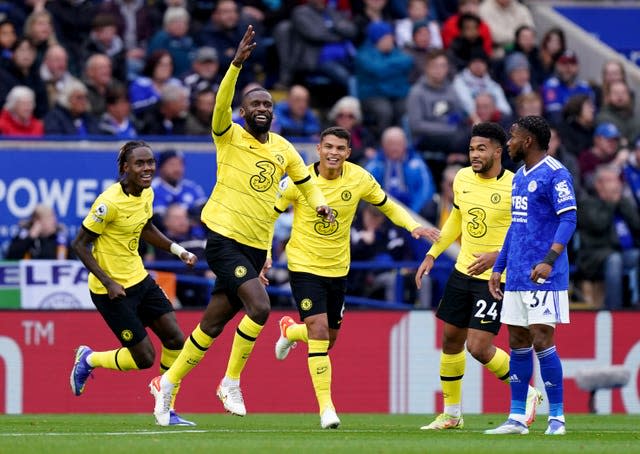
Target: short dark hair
{"points": [[253, 90], [490, 130], [116, 93], [538, 127], [467, 17], [337, 131]]}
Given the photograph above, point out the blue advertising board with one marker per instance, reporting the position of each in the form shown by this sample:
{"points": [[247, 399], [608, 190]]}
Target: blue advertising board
{"points": [[69, 179]]}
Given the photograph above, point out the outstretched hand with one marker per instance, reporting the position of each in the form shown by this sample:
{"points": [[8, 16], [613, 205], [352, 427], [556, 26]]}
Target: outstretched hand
{"points": [[246, 46], [430, 233]]}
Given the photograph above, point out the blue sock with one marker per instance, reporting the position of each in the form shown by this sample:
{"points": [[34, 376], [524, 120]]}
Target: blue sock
{"points": [[520, 372], [551, 372]]}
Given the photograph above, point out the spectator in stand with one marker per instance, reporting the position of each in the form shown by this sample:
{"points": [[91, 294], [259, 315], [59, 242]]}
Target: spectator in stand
{"points": [[71, 115], [8, 38], [504, 17], [438, 209], [117, 120], [170, 186], [375, 239], [205, 72], [400, 172], [223, 32], [104, 39], [526, 44], [418, 12], [168, 116], [98, 79], [20, 70], [382, 76], [199, 117], [366, 12], [612, 71], [528, 104], [434, 111], [467, 43], [39, 237], [347, 114], [605, 150], [135, 27], [631, 171], [72, 20], [517, 77], [619, 109], [557, 90], [553, 45], [559, 151], [450, 29], [16, 118], [177, 224], [321, 43], [54, 72], [475, 79], [38, 28], [418, 49], [578, 123], [174, 38], [144, 91], [295, 117], [609, 226]]}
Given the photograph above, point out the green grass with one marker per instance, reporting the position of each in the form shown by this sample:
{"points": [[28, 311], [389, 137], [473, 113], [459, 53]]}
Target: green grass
{"points": [[301, 433]]}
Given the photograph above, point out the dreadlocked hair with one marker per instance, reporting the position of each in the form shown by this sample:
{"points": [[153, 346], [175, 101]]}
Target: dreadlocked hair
{"points": [[126, 150], [538, 127]]}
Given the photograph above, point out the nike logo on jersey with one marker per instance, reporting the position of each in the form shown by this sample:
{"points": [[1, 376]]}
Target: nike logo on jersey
{"points": [[484, 322]]}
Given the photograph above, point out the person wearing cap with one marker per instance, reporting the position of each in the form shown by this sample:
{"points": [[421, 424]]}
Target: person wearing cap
{"points": [[170, 186], [475, 79], [564, 84], [619, 109], [382, 72], [517, 71], [205, 72], [605, 150]]}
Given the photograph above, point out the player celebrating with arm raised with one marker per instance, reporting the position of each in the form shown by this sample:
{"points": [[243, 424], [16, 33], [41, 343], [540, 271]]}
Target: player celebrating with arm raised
{"points": [[481, 215], [121, 289], [239, 218], [318, 256], [543, 218]]}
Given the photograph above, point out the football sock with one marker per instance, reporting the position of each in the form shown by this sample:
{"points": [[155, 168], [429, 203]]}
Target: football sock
{"points": [[499, 365], [243, 342], [521, 370], [551, 372], [451, 373], [320, 371], [298, 332], [119, 359], [167, 359], [192, 352]]}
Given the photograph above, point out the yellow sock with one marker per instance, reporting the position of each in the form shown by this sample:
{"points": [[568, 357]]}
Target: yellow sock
{"points": [[451, 373], [193, 351], [119, 359], [243, 342], [167, 359], [499, 365], [320, 371], [298, 332]]}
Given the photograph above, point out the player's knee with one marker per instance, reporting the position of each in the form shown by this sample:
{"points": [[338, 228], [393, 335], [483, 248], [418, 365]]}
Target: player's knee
{"points": [[259, 312], [480, 352], [174, 343], [144, 360]]}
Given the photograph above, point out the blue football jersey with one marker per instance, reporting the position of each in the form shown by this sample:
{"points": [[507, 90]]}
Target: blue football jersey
{"points": [[538, 196]]}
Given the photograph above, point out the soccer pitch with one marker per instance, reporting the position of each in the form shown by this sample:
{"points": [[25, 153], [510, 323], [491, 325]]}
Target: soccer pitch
{"points": [[301, 433]]}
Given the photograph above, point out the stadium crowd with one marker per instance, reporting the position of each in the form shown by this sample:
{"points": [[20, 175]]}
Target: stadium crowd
{"points": [[407, 78]]}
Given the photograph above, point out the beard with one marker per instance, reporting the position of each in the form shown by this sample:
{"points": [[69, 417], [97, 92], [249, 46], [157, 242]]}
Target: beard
{"points": [[485, 167], [258, 129], [518, 155]]}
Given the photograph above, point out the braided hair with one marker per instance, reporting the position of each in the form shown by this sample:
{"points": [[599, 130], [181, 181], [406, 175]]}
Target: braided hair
{"points": [[126, 150]]}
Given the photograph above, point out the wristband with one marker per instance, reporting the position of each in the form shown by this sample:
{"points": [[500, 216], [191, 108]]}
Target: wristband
{"points": [[176, 249], [550, 258]]}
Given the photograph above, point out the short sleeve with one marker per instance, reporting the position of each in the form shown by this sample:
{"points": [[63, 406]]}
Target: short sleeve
{"points": [[102, 213]]}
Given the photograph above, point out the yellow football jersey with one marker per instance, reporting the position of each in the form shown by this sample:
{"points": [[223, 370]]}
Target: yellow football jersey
{"points": [[118, 219], [323, 248], [483, 217]]}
